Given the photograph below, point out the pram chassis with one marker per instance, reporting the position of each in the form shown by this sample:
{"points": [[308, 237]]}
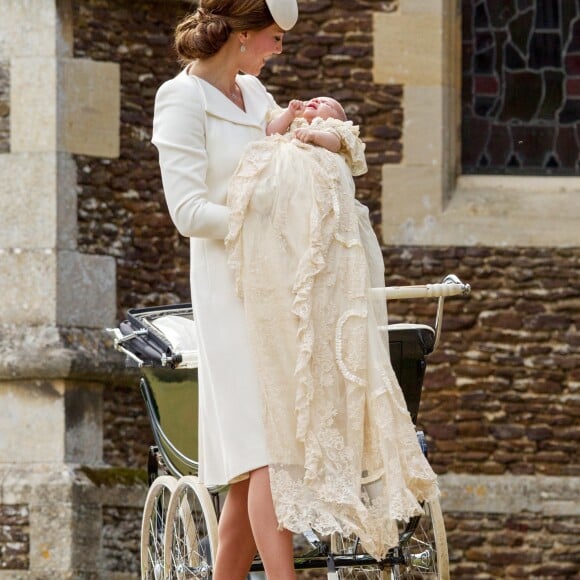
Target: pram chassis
{"points": [[179, 527]]}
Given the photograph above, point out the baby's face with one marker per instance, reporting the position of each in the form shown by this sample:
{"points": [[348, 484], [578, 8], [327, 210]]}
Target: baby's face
{"points": [[324, 108]]}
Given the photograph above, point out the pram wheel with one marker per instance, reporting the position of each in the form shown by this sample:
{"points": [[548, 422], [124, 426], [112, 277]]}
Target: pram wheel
{"points": [[424, 547], [191, 534], [421, 554], [351, 546], [153, 527]]}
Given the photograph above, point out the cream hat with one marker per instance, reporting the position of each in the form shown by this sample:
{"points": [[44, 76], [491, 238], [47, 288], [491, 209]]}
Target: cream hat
{"points": [[284, 12]]}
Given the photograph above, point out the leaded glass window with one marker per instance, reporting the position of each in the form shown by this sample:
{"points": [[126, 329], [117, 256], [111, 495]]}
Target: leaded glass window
{"points": [[521, 87]]}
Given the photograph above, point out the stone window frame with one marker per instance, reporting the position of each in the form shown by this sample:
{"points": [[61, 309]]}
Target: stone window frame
{"points": [[425, 199]]}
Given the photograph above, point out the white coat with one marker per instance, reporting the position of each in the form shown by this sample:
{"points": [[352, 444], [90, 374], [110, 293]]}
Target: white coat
{"points": [[200, 135]]}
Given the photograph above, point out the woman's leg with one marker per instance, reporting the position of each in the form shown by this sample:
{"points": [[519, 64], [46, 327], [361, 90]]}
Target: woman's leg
{"points": [[275, 546], [236, 546]]}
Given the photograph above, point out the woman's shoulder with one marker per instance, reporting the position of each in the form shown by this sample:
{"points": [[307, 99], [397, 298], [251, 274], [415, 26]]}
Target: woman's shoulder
{"points": [[183, 91], [181, 82]]}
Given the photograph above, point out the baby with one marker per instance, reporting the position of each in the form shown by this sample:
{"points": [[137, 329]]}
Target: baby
{"points": [[310, 148], [318, 108]]}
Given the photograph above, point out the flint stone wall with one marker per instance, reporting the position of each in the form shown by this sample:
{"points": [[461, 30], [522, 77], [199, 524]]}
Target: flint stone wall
{"points": [[488, 546], [14, 537], [501, 392], [4, 107]]}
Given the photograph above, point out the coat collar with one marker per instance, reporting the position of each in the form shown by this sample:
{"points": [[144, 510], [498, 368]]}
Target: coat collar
{"points": [[218, 105]]}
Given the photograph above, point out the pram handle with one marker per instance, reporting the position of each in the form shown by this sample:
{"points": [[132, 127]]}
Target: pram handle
{"points": [[451, 285], [119, 338]]}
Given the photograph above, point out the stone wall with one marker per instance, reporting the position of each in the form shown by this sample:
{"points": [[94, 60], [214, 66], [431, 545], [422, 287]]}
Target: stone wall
{"points": [[500, 398], [500, 392], [4, 107], [515, 546], [14, 538], [121, 534], [126, 429]]}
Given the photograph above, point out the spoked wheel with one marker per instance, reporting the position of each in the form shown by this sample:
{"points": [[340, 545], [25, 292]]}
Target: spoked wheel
{"points": [[350, 546], [425, 551], [153, 527], [191, 533]]}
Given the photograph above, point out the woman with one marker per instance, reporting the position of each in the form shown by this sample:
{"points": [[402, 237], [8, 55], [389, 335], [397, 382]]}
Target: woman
{"points": [[204, 117]]}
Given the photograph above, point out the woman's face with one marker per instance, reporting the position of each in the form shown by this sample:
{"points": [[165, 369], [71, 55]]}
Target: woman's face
{"points": [[260, 45]]}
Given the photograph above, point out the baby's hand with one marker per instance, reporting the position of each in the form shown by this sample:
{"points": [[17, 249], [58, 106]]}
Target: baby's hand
{"points": [[305, 135], [327, 139], [296, 107]]}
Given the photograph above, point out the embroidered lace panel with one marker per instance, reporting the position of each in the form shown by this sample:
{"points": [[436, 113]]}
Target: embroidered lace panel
{"points": [[344, 453]]}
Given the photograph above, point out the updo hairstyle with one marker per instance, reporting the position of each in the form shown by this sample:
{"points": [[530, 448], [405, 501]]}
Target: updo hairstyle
{"points": [[201, 34]]}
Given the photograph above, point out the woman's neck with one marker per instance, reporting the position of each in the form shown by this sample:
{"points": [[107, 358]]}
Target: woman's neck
{"points": [[219, 70]]}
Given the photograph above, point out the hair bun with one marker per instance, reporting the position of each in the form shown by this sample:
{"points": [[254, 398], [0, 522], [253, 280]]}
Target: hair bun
{"points": [[201, 35]]}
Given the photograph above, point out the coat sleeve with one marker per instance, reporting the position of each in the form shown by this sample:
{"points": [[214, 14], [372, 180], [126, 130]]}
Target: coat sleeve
{"points": [[179, 135]]}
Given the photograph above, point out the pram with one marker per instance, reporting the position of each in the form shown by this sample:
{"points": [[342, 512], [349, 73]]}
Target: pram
{"points": [[179, 525]]}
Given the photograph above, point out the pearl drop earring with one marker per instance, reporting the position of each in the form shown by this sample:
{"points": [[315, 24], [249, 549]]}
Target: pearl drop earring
{"points": [[242, 48]]}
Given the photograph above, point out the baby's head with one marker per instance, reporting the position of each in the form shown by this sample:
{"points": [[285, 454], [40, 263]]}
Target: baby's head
{"points": [[323, 108]]}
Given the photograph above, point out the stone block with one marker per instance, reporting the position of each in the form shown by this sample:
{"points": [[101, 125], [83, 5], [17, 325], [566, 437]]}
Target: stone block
{"points": [[63, 288], [510, 494], [66, 202], [423, 126], [77, 110], [494, 211], [90, 107], [397, 61], [422, 6], [27, 287], [33, 104], [37, 409], [62, 422], [86, 291], [38, 201], [84, 423], [28, 28], [411, 198]]}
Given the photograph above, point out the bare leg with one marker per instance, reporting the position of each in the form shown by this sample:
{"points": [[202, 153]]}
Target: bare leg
{"points": [[275, 546], [236, 546]]}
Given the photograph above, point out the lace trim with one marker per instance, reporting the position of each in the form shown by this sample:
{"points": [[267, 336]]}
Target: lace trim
{"points": [[352, 149]]}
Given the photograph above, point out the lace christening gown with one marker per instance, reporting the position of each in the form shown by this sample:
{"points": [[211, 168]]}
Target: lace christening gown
{"points": [[304, 255]]}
